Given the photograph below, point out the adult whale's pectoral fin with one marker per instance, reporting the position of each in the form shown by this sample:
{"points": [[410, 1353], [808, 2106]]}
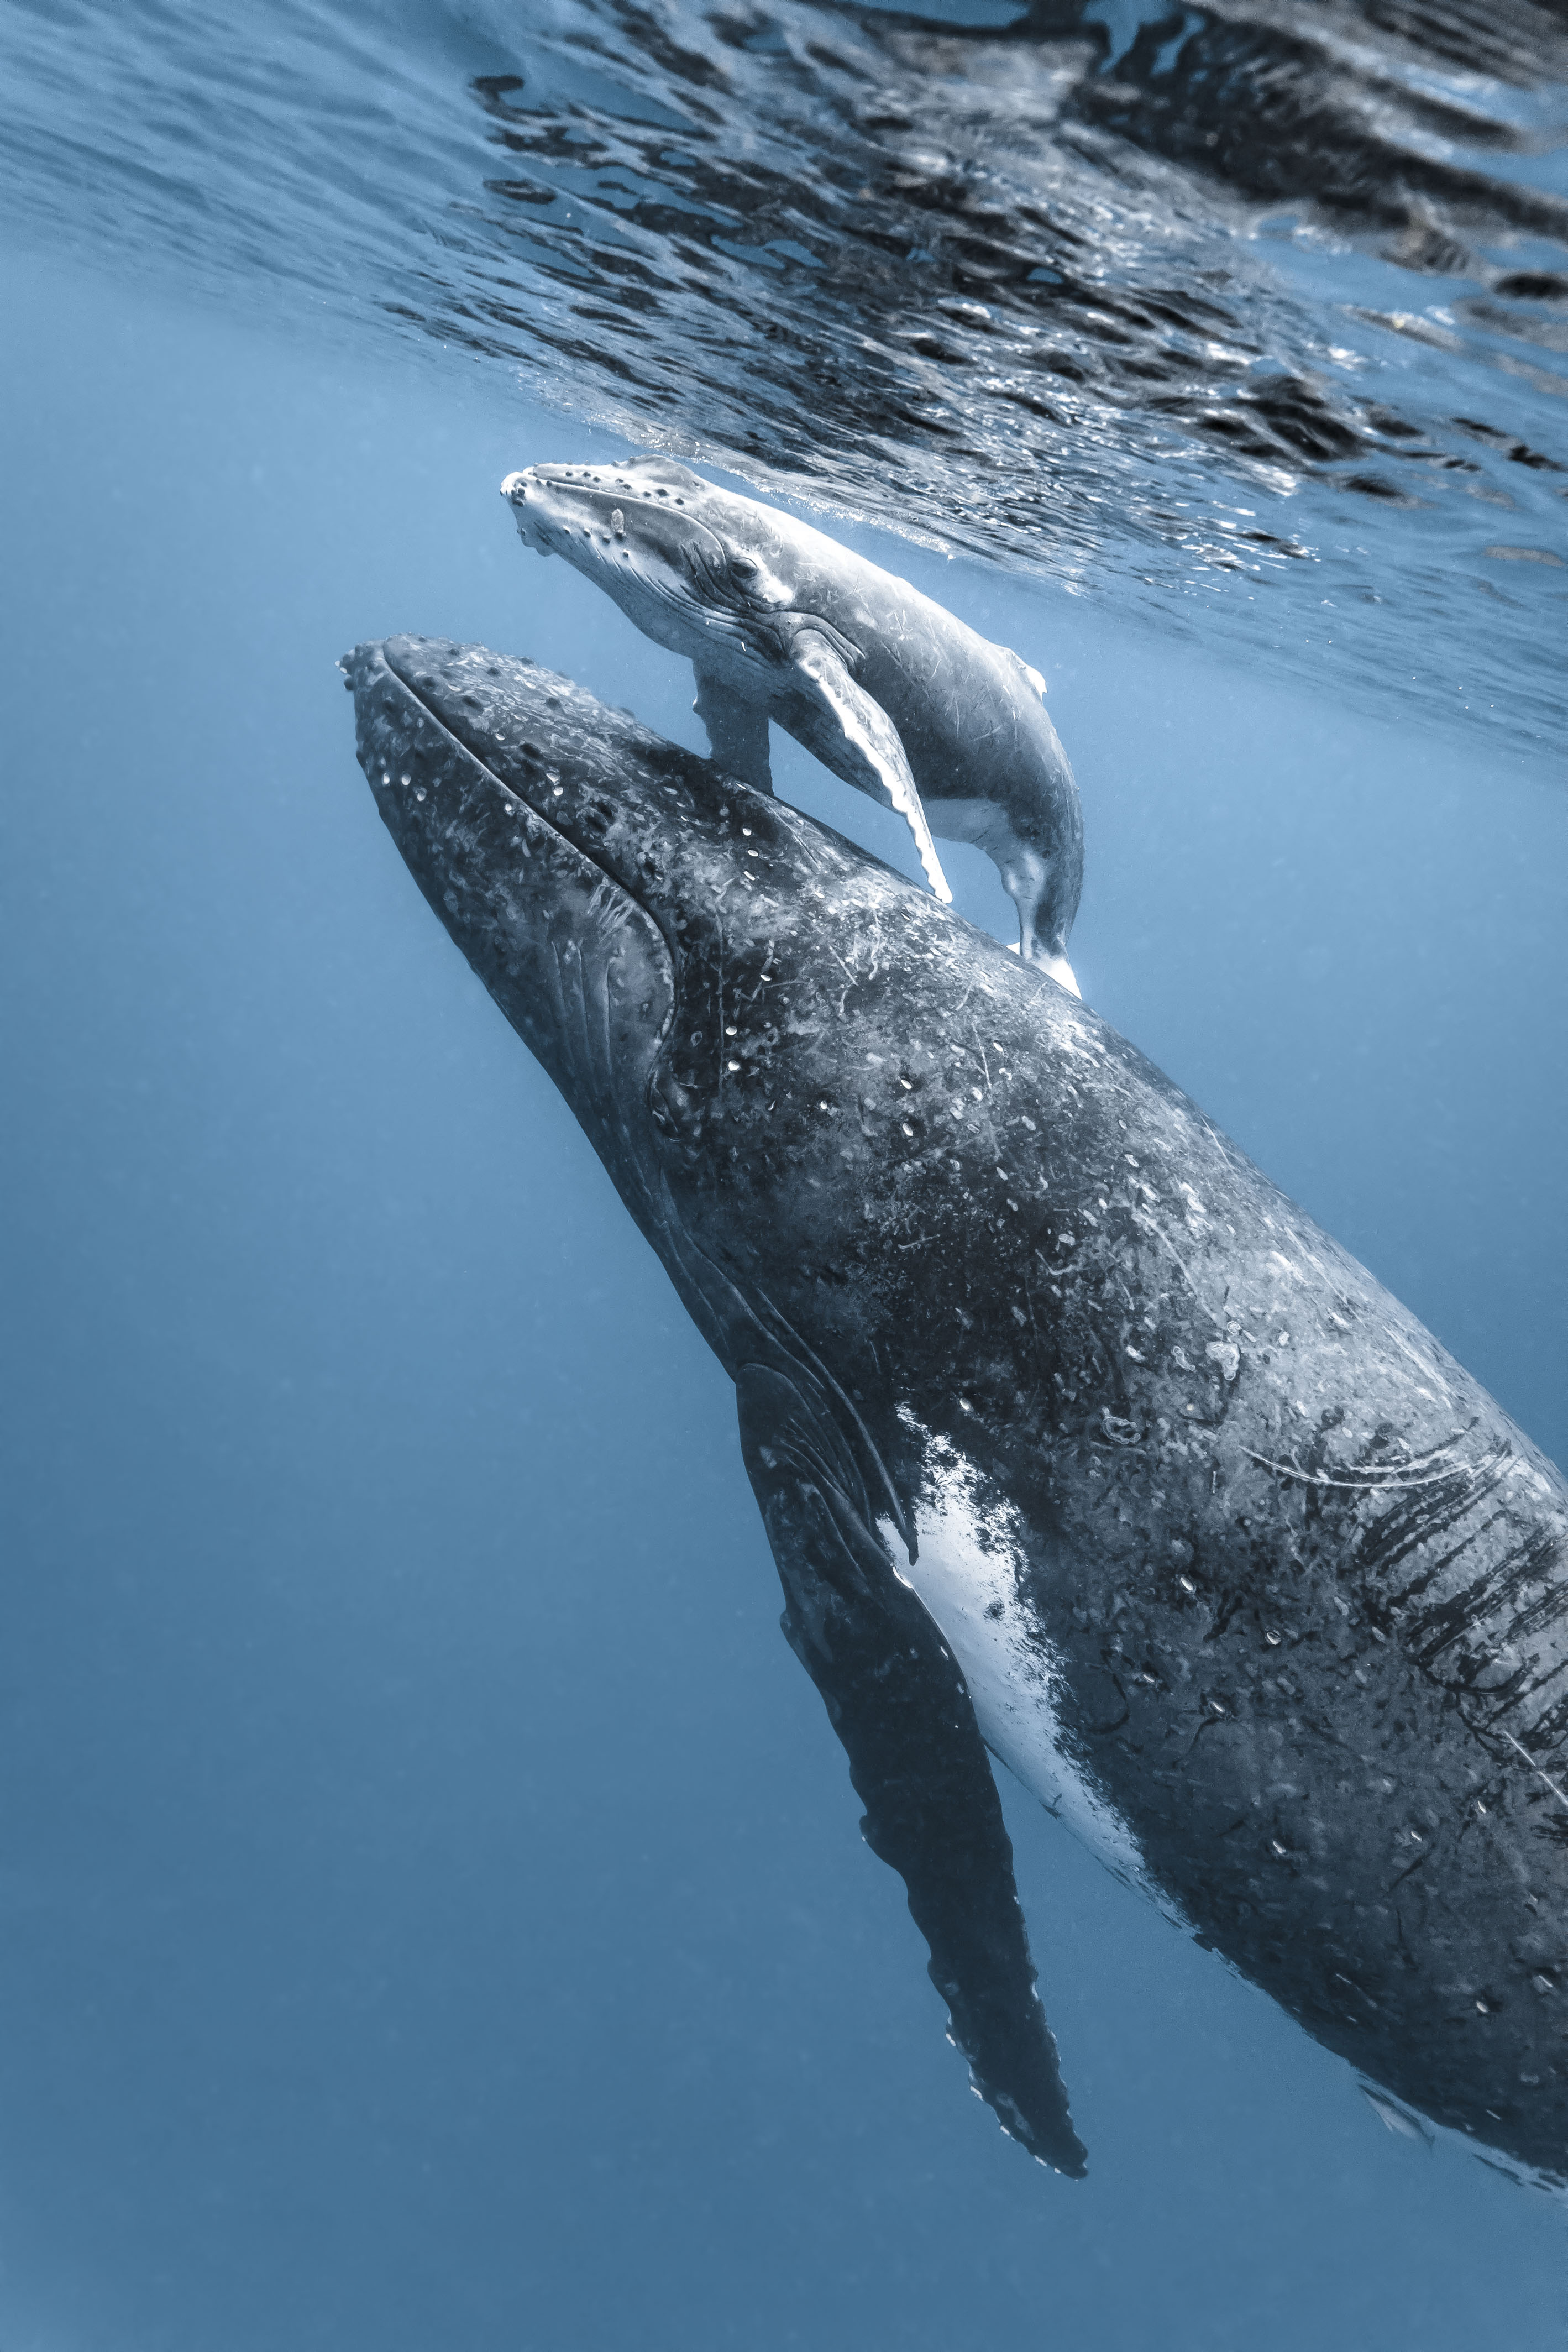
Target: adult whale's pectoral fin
{"points": [[736, 730], [855, 735], [896, 1698]]}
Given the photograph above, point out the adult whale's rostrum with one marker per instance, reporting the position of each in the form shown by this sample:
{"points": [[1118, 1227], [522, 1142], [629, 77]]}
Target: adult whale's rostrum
{"points": [[891, 690], [1073, 1436]]}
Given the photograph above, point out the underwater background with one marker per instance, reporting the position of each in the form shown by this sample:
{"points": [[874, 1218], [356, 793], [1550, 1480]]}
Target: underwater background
{"points": [[432, 1910]]}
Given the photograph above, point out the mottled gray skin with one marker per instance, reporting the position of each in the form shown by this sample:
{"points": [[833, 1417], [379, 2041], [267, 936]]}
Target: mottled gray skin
{"points": [[1300, 1582], [893, 693]]}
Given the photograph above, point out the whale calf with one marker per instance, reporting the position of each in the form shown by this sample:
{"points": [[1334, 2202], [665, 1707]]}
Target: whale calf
{"points": [[1074, 1439], [891, 691]]}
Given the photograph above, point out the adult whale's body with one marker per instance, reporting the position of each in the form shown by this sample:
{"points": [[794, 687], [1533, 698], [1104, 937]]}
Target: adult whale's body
{"points": [[892, 691], [1072, 1435]]}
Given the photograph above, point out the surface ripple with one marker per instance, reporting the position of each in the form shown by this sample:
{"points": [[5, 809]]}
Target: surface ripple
{"points": [[1253, 312]]}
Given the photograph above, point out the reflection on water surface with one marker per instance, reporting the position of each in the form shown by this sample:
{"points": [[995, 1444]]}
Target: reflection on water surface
{"points": [[1258, 312]]}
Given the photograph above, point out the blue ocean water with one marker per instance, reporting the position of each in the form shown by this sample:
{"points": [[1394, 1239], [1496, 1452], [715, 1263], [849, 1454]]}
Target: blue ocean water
{"points": [[434, 1910]]}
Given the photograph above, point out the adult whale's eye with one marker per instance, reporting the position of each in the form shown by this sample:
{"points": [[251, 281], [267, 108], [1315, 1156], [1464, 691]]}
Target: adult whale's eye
{"points": [[742, 563]]}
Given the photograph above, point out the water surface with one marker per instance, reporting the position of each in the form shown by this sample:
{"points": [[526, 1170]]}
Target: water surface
{"points": [[1254, 313]]}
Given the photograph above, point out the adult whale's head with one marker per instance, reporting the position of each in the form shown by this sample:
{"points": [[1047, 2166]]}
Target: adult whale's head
{"points": [[746, 1011]]}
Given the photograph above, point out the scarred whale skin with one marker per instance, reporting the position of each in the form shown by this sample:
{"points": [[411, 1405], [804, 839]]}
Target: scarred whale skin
{"points": [[1068, 1428], [889, 689]]}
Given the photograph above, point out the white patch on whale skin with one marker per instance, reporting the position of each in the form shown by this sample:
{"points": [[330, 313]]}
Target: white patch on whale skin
{"points": [[968, 1572]]}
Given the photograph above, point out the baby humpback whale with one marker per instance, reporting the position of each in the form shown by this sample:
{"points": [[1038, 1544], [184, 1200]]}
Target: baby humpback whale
{"points": [[889, 691], [1074, 1437]]}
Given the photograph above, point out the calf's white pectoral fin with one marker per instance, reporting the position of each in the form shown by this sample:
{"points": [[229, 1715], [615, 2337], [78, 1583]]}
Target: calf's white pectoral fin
{"points": [[855, 735], [736, 730]]}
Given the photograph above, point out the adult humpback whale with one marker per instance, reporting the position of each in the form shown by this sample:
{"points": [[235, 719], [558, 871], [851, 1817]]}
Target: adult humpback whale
{"points": [[889, 689], [1073, 1436]]}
